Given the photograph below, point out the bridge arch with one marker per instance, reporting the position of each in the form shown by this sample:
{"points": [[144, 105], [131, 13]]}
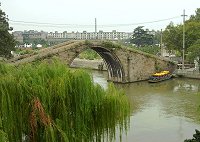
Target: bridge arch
{"points": [[112, 62]]}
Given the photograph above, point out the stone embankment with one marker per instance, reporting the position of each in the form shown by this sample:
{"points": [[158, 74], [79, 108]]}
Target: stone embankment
{"points": [[97, 64], [188, 73]]}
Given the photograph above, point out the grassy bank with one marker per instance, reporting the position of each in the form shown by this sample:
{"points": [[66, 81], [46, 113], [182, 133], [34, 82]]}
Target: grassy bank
{"points": [[49, 102]]}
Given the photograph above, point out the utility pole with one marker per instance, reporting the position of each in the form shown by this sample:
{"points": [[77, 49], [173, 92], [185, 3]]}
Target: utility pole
{"points": [[96, 28], [161, 42], [183, 66]]}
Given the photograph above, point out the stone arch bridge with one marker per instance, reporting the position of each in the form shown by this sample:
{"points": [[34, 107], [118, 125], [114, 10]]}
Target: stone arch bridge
{"points": [[124, 64]]}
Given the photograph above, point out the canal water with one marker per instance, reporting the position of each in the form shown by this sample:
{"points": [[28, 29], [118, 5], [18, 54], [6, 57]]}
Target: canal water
{"points": [[168, 111]]}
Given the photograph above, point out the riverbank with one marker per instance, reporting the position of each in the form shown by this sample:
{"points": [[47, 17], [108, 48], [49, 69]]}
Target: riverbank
{"points": [[188, 73], [98, 64]]}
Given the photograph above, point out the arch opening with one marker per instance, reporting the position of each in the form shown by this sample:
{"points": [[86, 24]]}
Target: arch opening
{"points": [[112, 62], [114, 67]]}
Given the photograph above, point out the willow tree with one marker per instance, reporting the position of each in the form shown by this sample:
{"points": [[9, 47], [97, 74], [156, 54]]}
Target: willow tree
{"points": [[44, 102]]}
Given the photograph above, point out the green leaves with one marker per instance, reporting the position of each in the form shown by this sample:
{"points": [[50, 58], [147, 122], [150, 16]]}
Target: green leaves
{"points": [[49, 102], [3, 136], [196, 17], [150, 49], [194, 52], [172, 37], [89, 54], [173, 34], [141, 37], [196, 137], [7, 42]]}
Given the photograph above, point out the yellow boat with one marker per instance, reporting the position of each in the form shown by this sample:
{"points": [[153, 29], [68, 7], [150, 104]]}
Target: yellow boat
{"points": [[160, 76]]}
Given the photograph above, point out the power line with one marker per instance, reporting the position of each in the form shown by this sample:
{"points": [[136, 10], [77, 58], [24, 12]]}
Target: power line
{"points": [[82, 25], [56, 26], [141, 23], [39, 23]]}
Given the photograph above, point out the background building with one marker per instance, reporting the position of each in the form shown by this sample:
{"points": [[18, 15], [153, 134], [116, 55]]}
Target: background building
{"points": [[51, 38]]}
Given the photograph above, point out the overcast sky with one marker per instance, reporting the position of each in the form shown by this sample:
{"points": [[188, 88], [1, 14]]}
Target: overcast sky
{"points": [[79, 15]]}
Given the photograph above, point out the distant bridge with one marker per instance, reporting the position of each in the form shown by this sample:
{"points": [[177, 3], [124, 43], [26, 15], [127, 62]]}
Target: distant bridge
{"points": [[124, 64]]}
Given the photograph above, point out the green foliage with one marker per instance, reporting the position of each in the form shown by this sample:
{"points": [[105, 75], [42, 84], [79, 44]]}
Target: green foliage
{"points": [[192, 32], [194, 52], [173, 34], [49, 103], [195, 17], [109, 44], [157, 67], [3, 136], [35, 42], [89, 54], [88, 43], [156, 37], [196, 137], [7, 42], [149, 49], [172, 37], [141, 37], [26, 51]]}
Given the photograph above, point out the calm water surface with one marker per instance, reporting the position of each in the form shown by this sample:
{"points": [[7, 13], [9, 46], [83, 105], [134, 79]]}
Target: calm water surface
{"points": [[168, 111]]}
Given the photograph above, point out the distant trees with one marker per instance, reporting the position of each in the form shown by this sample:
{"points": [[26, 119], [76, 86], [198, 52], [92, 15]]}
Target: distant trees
{"points": [[35, 42], [146, 39], [195, 17], [196, 137], [142, 37], [194, 52], [173, 35], [7, 42]]}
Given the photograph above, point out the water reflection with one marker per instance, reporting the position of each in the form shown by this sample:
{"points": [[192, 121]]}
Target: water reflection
{"points": [[187, 86], [176, 97], [165, 111], [100, 78]]}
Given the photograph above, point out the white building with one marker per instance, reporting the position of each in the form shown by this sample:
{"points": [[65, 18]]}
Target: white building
{"points": [[114, 35]]}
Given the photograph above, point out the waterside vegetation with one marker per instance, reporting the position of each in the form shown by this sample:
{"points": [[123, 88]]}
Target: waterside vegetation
{"points": [[45, 102]]}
